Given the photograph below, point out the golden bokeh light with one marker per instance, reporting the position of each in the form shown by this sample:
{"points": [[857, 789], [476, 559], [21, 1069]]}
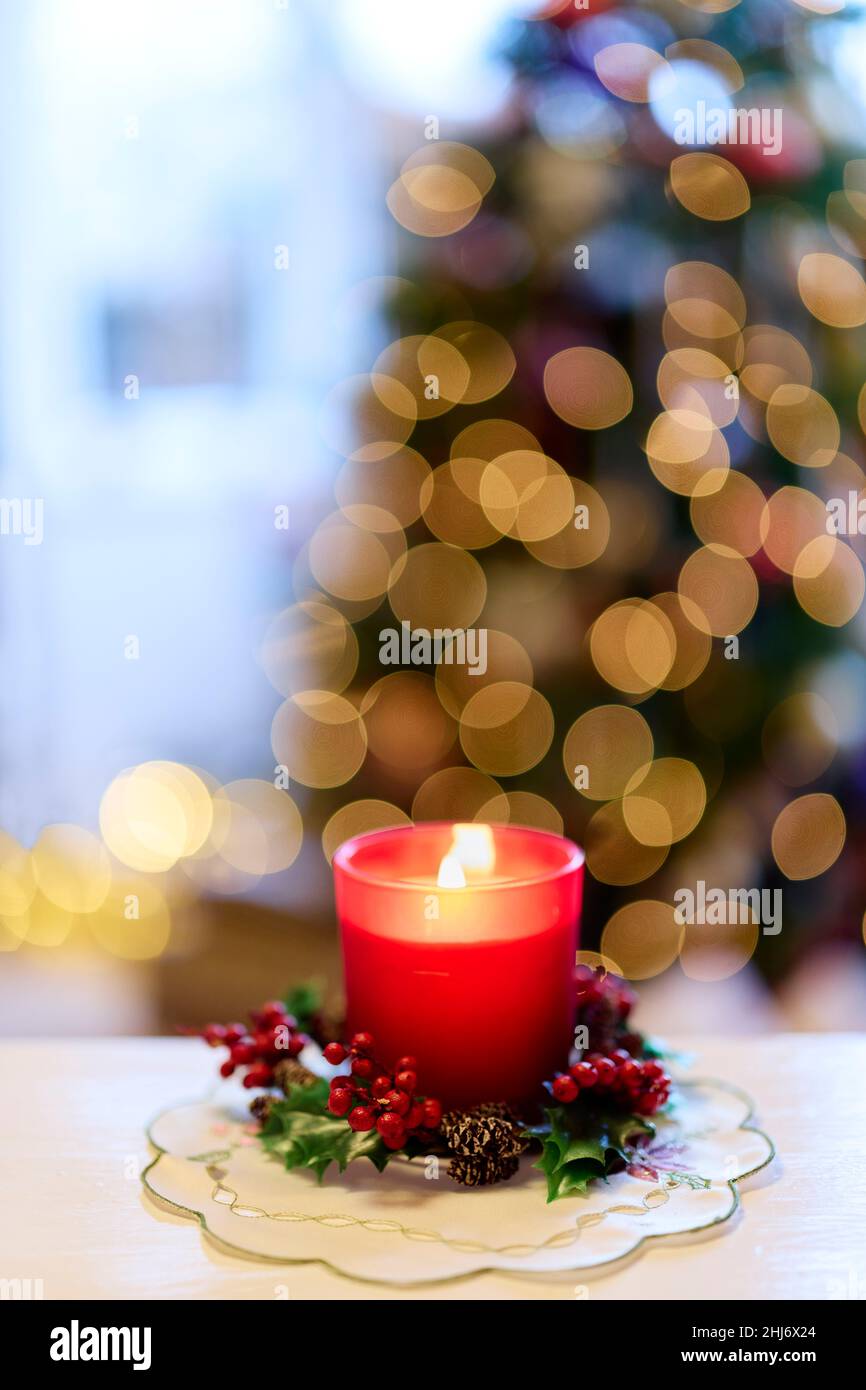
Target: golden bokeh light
{"points": [[709, 187], [43, 923], [604, 748], [358, 818], [440, 188], [454, 794], [583, 537], [152, 815], [319, 737], [506, 728], [716, 951], [391, 486], [433, 203], [690, 379], [257, 826], [705, 300], [526, 495], [829, 581], [709, 55], [772, 358], [680, 436], [433, 372], [664, 801], [732, 516], [643, 937], [722, 586], [587, 388], [832, 289], [506, 660], [71, 867], [449, 154], [613, 855], [437, 585], [452, 509], [803, 426], [487, 355], [521, 808], [407, 727], [840, 477], [625, 69], [808, 835], [633, 646], [487, 439], [134, 921], [686, 452], [693, 643], [352, 562], [728, 347], [791, 519], [309, 646]]}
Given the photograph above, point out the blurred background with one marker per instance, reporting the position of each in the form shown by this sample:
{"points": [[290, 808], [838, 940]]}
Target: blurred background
{"points": [[319, 318]]}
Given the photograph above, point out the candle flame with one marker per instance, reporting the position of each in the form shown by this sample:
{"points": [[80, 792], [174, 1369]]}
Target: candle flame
{"points": [[474, 847], [451, 873]]}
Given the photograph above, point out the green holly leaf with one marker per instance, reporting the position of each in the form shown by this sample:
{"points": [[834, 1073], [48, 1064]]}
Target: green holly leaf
{"points": [[581, 1144], [317, 1147], [301, 1131], [586, 1149], [617, 1130], [573, 1180], [571, 1176]]}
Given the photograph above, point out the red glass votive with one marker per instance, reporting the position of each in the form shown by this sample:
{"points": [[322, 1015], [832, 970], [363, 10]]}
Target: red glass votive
{"points": [[476, 982]]}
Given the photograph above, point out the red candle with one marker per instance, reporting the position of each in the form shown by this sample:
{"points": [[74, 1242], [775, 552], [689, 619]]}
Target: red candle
{"points": [[458, 946]]}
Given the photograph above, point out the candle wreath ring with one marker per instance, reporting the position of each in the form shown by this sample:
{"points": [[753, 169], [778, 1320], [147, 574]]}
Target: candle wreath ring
{"points": [[592, 1118]]}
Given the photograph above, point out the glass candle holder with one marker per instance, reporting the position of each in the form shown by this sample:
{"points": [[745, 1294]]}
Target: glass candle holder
{"points": [[459, 948]]}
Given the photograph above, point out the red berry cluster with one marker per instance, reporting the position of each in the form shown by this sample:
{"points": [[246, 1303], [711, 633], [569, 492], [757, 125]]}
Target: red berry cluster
{"points": [[595, 987], [373, 1096], [272, 1035], [603, 1003], [641, 1087]]}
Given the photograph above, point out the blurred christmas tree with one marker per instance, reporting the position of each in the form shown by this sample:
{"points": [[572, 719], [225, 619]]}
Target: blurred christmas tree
{"points": [[624, 390]]}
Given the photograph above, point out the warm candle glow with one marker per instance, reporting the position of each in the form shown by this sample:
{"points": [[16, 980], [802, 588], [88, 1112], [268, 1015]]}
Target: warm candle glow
{"points": [[439, 966], [474, 847], [451, 873]]}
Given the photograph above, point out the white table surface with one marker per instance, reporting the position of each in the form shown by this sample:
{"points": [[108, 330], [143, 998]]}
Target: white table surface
{"points": [[73, 1213]]}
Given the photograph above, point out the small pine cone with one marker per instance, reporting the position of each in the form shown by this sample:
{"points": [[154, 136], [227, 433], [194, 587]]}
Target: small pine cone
{"points": [[454, 1120], [481, 1171], [495, 1109], [484, 1131], [260, 1108], [290, 1072]]}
